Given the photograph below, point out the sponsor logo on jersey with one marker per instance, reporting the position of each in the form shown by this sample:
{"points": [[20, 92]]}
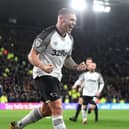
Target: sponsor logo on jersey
{"points": [[59, 52], [91, 80]]}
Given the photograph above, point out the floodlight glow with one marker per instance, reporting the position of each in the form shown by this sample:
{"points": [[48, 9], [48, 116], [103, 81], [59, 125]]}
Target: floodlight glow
{"points": [[107, 3], [79, 5], [101, 2], [107, 9], [98, 8], [98, 2]]}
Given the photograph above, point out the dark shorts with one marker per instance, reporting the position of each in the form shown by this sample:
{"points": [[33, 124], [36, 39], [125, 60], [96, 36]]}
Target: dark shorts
{"points": [[92, 102], [87, 99], [49, 88]]}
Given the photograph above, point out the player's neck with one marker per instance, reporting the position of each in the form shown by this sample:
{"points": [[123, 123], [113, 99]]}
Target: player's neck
{"points": [[91, 71], [60, 31]]}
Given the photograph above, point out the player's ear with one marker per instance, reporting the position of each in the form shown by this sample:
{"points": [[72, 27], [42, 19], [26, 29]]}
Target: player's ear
{"points": [[60, 18]]}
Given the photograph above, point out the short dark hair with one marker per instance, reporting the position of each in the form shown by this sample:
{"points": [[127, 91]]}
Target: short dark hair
{"points": [[89, 58], [65, 11]]}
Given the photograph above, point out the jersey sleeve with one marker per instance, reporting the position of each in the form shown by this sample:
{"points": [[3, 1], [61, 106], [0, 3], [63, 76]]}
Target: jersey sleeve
{"points": [[101, 83], [79, 81], [70, 52], [42, 40], [38, 45]]}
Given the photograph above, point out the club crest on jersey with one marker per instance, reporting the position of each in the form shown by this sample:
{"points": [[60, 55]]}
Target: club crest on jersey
{"points": [[38, 42]]}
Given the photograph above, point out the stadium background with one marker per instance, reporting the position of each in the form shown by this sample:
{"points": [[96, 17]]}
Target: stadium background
{"points": [[103, 36]]}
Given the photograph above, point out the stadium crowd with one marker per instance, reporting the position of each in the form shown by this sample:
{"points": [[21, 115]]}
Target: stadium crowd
{"points": [[111, 56]]}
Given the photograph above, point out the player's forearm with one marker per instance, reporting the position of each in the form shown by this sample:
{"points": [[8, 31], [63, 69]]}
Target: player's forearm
{"points": [[70, 63], [101, 88], [34, 60], [77, 83]]}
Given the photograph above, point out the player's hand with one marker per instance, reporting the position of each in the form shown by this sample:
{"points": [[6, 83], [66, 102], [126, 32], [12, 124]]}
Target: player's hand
{"points": [[48, 68], [80, 89], [74, 87], [97, 94], [81, 66]]}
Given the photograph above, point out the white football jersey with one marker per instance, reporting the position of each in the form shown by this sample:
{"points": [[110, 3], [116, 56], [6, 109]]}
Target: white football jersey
{"points": [[53, 49], [92, 83]]}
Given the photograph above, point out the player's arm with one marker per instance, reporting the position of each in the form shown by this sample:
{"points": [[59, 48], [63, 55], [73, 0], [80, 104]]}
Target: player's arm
{"points": [[76, 84], [34, 55], [81, 87], [71, 64], [34, 59], [79, 82], [101, 84]]}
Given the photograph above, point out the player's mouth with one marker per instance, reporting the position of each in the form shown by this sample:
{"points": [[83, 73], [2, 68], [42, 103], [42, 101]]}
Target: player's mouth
{"points": [[70, 27]]}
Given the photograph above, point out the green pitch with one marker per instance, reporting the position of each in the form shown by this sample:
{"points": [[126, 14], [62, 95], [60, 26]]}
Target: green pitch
{"points": [[108, 119]]}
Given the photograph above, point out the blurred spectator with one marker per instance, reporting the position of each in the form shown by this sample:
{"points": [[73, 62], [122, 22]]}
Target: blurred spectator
{"points": [[1, 90], [107, 44], [3, 98]]}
